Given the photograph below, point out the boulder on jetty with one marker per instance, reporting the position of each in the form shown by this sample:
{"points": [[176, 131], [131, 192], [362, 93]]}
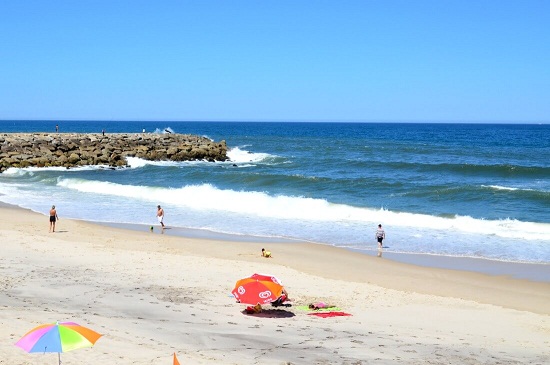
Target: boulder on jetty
{"points": [[81, 149]]}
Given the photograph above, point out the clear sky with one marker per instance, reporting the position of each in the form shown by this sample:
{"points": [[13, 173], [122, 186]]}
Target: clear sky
{"points": [[384, 60]]}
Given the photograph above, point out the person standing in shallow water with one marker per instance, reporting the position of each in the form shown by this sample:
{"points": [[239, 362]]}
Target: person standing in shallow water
{"points": [[53, 218], [160, 216], [380, 235]]}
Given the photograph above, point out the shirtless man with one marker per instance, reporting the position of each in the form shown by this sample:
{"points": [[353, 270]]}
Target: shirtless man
{"points": [[160, 216], [53, 218]]}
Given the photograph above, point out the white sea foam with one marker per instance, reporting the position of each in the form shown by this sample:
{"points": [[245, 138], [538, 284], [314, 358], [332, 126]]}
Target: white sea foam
{"points": [[206, 197], [20, 171], [242, 156], [206, 207], [136, 162], [237, 156], [498, 187], [166, 130], [509, 188]]}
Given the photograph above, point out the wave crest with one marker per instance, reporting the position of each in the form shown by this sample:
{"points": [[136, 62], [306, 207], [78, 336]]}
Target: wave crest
{"points": [[259, 204]]}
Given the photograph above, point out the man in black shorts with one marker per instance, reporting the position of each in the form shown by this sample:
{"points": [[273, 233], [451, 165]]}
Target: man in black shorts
{"points": [[380, 235], [53, 218]]}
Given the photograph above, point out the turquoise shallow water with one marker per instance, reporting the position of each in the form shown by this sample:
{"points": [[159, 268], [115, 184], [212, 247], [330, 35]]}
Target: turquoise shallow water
{"points": [[468, 190]]}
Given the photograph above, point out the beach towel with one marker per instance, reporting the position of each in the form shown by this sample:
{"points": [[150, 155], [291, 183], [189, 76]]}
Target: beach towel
{"points": [[329, 314], [307, 308]]}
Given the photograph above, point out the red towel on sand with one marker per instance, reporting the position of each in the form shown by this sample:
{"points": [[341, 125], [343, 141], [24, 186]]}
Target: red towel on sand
{"points": [[329, 314]]}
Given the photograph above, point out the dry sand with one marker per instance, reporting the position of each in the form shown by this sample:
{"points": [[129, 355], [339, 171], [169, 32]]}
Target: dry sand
{"points": [[152, 294]]}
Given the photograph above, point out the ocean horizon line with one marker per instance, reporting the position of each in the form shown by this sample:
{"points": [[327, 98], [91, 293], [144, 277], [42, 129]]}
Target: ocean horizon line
{"points": [[320, 121]]}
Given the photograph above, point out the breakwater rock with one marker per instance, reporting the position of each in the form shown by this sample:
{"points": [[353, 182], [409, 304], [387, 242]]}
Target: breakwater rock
{"points": [[80, 149]]}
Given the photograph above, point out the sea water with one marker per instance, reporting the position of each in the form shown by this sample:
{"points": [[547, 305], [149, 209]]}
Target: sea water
{"points": [[466, 190]]}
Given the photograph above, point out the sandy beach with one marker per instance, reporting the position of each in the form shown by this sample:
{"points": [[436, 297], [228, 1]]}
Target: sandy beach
{"points": [[153, 294]]}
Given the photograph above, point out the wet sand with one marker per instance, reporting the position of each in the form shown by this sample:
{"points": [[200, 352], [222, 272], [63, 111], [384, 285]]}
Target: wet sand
{"points": [[528, 271]]}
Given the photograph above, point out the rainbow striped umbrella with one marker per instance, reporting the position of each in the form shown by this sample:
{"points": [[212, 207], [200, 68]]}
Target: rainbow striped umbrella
{"points": [[58, 337]]}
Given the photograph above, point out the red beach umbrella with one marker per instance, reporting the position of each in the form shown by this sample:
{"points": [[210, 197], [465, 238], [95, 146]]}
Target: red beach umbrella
{"points": [[255, 291], [265, 277]]}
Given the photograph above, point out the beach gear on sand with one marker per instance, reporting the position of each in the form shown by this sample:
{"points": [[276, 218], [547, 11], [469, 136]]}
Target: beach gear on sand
{"points": [[280, 301], [58, 337], [255, 291], [254, 309], [328, 309], [329, 314]]}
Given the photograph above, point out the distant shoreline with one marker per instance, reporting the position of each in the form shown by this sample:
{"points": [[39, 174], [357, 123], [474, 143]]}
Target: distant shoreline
{"points": [[537, 272]]}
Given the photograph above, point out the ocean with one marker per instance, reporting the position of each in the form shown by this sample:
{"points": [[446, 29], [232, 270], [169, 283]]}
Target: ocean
{"points": [[458, 190]]}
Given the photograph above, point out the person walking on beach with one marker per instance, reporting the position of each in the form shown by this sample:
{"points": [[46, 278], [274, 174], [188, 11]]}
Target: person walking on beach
{"points": [[53, 218], [160, 216], [57, 128], [380, 235]]}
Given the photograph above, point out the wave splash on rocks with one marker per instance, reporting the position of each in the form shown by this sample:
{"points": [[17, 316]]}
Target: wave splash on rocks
{"points": [[82, 149]]}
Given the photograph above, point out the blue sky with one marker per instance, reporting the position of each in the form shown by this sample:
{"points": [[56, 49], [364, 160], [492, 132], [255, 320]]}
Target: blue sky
{"points": [[365, 60]]}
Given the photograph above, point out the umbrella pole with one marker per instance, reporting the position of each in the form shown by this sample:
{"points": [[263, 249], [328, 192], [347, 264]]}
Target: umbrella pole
{"points": [[59, 357]]}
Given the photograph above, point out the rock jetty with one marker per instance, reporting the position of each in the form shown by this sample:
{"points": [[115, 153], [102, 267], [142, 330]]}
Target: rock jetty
{"points": [[80, 149]]}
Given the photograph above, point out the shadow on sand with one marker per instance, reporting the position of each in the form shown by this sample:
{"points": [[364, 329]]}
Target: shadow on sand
{"points": [[271, 313]]}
